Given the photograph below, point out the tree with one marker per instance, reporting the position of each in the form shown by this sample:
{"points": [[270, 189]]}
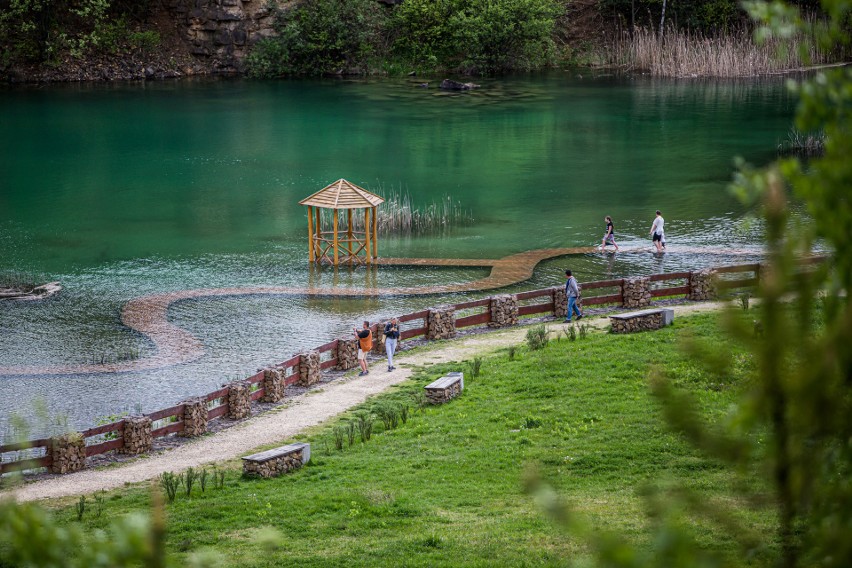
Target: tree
{"points": [[795, 422]]}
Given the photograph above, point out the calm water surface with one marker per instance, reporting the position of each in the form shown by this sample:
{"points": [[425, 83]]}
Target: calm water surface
{"points": [[124, 190]]}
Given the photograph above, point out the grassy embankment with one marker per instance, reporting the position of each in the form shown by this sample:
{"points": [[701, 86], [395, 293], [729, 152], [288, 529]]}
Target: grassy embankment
{"points": [[446, 487]]}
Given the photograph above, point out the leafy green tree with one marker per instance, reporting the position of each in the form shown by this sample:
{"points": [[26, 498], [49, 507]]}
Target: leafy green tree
{"points": [[792, 430], [31, 537], [39, 29], [480, 36], [321, 37]]}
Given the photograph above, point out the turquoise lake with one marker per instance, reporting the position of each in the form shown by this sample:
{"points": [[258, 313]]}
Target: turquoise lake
{"points": [[130, 189]]}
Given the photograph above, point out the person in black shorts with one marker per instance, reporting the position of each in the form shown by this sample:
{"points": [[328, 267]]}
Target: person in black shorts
{"points": [[609, 235], [657, 232]]}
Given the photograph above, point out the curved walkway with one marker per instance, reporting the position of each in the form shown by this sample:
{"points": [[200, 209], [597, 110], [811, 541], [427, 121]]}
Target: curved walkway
{"points": [[148, 315], [277, 425]]}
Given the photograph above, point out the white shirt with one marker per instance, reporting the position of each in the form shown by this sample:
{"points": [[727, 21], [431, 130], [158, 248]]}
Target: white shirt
{"points": [[658, 225]]}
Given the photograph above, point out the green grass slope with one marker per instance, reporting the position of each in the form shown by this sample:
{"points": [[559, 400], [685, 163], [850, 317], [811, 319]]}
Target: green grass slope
{"points": [[446, 487]]}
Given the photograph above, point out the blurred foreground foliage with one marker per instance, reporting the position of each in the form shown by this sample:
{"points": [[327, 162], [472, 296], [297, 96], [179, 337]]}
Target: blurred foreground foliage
{"points": [[794, 425]]}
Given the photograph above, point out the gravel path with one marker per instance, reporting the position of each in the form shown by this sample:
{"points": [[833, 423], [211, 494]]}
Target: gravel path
{"points": [[309, 410]]}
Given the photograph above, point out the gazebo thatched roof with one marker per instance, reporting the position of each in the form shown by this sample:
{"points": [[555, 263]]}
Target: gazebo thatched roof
{"points": [[342, 195]]}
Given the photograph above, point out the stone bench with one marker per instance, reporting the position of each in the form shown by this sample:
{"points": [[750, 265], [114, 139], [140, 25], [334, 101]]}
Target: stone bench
{"points": [[447, 387], [273, 463], [641, 321]]}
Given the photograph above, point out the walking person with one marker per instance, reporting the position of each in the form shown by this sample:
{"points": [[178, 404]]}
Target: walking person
{"points": [[365, 344], [391, 339], [572, 291], [659, 236], [609, 235]]}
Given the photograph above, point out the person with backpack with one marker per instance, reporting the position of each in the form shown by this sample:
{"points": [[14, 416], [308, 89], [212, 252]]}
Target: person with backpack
{"points": [[365, 344], [391, 340]]}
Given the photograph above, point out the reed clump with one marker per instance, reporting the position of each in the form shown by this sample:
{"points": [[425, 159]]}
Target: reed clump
{"points": [[399, 216], [679, 53], [803, 143]]}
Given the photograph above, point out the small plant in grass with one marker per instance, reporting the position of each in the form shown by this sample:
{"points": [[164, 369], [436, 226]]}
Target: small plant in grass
{"points": [[99, 503], [744, 300], [350, 433], [81, 507], [433, 541], [512, 351], [339, 433], [219, 479], [202, 479], [189, 479], [537, 337], [475, 367], [532, 422], [169, 482], [403, 413], [571, 333], [419, 398], [364, 422], [584, 330], [388, 414]]}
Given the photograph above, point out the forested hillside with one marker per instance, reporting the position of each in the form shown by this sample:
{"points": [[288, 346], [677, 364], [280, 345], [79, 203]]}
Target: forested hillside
{"points": [[123, 39]]}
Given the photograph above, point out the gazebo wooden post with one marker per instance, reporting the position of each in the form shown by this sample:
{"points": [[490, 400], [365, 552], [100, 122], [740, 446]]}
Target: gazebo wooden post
{"points": [[336, 244], [349, 234], [375, 234], [367, 235], [311, 234], [318, 243]]}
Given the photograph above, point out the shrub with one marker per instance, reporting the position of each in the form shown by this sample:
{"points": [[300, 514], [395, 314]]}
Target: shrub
{"points": [[475, 367], [170, 483], [81, 507], [512, 350], [364, 422], [537, 337], [478, 36], [320, 37]]}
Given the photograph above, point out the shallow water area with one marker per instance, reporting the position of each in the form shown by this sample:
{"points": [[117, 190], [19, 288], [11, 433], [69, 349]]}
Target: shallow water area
{"points": [[120, 191]]}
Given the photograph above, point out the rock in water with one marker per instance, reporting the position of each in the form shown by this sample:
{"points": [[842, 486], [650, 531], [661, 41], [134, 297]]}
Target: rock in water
{"points": [[450, 85]]}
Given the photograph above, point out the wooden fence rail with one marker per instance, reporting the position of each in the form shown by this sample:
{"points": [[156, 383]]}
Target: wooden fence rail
{"points": [[109, 437]]}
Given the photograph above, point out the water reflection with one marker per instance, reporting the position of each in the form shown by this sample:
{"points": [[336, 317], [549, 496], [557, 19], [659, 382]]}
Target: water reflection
{"points": [[124, 190]]}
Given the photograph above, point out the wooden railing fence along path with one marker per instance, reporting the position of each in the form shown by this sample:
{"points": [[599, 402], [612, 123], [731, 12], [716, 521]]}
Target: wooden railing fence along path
{"points": [[135, 434]]}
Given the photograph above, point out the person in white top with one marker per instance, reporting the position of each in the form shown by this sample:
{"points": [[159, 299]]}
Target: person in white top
{"points": [[657, 231]]}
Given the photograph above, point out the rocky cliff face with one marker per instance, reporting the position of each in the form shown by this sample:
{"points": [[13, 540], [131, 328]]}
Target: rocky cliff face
{"points": [[220, 33]]}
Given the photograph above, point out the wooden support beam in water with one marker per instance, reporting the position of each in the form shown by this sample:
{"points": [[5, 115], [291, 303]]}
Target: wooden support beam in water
{"points": [[311, 255], [349, 233], [375, 235], [336, 244], [367, 234]]}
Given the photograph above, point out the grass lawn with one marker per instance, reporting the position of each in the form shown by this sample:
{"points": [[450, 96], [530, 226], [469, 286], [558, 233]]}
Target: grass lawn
{"points": [[446, 488]]}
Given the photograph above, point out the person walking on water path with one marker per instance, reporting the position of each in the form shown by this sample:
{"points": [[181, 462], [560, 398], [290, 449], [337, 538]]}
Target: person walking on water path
{"points": [[609, 235], [572, 291], [657, 232], [391, 339], [365, 344]]}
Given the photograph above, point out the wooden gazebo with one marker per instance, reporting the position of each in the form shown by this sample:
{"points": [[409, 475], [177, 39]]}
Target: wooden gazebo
{"points": [[342, 245]]}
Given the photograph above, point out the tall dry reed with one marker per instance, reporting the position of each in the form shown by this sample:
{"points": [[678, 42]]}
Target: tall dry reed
{"points": [[735, 54], [397, 215], [803, 143]]}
